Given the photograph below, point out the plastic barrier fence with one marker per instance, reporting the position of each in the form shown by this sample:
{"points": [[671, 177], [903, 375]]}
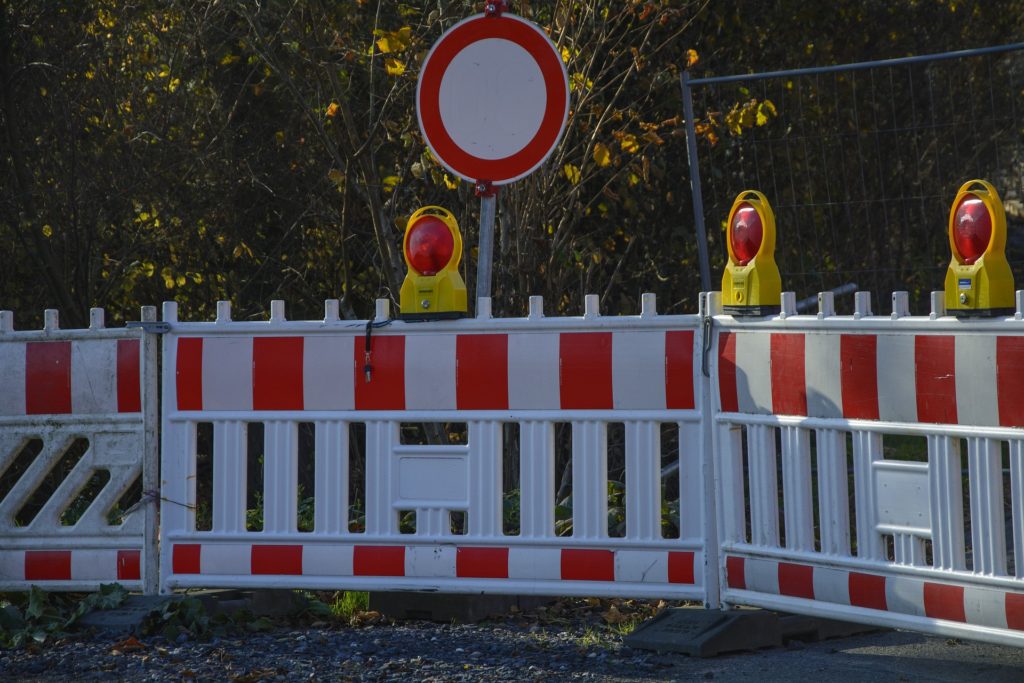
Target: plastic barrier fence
{"points": [[554, 402], [77, 450], [871, 468]]}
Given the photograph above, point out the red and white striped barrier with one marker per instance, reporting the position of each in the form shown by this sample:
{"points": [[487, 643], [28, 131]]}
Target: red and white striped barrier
{"points": [[69, 568], [85, 397], [969, 379], [842, 448], [75, 377], [943, 605], [630, 570], [445, 371], [535, 372]]}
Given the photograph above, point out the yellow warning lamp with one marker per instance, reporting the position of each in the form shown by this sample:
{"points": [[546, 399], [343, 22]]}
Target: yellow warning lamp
{"points": [[433, 288], [979, 282], [751, 285]]}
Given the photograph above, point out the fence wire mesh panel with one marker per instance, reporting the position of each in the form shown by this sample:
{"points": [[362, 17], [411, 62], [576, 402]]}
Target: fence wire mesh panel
{"points": [[78, 479], [861, 162]]}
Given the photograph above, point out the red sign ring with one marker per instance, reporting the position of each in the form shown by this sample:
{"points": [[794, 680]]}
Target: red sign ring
{"points": [[428, 109]]}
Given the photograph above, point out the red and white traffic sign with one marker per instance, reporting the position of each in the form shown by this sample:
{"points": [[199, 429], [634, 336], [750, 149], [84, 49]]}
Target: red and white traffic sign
{"points": [[492, 98]]}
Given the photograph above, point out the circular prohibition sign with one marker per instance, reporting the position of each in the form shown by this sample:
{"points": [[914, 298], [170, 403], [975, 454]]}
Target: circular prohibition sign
{"points": [[492, 98]]}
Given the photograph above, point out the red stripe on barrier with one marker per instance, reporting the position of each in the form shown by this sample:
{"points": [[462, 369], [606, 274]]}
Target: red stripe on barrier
{"points": [[1009, 380], [276, 559], [47, 565], [1015, 611], [378, 560], [789, 387], [481, 563], [386, 388], [942, 601], [858, 371], [189, 373], [277, 373], [867, 590], [680, 568], [588, 565], [796, 580], [185, 558], [935, 377], [679, 370], [727, 372], [129, 398], [481, 371], [128, 565], [47, 378], [736, 572], [585, 370]]}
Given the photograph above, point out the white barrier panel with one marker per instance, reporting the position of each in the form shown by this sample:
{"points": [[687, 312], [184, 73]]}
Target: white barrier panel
{"points": [[871, 469], [77, 431], [635, 376]]}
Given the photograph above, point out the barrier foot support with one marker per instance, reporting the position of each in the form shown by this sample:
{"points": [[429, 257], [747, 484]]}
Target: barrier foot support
{"points": [[701, 632]]}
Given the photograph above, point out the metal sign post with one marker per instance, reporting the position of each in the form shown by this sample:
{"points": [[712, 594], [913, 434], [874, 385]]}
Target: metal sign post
{"points": [[485, 246]]}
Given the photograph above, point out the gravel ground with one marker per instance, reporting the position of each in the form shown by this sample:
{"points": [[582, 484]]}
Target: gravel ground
{"points": [[572, 645], [415, 651]]}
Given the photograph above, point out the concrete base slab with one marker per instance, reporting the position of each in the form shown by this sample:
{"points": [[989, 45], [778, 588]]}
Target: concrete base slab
{"points": [[127, 619], [707, 633], [467, 608]]}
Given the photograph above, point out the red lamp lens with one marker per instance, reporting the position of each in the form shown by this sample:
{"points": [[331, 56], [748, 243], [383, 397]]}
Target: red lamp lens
{"points": [[429, 245], [972, 228], [746, 233]]}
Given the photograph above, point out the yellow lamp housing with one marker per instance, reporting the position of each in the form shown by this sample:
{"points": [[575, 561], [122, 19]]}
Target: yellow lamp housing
{"points": [[978, 282], [751, 285], [433, 288]]}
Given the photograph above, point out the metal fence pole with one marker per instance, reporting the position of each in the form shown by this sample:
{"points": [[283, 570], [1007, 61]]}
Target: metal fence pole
{"points": [[698, 201]]}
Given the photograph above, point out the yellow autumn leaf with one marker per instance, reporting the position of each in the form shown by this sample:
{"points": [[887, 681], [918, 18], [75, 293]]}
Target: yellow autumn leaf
{"points": [[449, 183], [389, 182], [394, 41], [572, 173], [332, 109], [566, 55], [47, 231], [394, 66], [580, 82], [691, 57], [337, 177], [602, 155], [229, 59], [106, 19], [629, 143], [765, 110]]}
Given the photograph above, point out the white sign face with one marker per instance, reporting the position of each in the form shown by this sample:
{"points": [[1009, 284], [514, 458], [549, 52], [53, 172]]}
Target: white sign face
{"points": [[505, 77], [493, 98]]}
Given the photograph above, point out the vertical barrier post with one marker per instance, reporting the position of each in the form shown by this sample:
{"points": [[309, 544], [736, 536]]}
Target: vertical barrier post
{"points": [[150, 456], [705, 346]]}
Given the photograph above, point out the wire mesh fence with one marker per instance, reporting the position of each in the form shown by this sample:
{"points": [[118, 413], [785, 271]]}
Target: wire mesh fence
{"points": [[861, 163]]}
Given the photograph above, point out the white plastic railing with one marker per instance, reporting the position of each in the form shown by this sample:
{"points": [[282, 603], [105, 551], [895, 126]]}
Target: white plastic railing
{"points": [[894, 447], [88, 397], [533, 373]]}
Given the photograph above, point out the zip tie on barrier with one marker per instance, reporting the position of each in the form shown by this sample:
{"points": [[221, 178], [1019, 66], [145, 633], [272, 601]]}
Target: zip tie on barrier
{"points": [[367, 367], [152, 497], [705, 345]]}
